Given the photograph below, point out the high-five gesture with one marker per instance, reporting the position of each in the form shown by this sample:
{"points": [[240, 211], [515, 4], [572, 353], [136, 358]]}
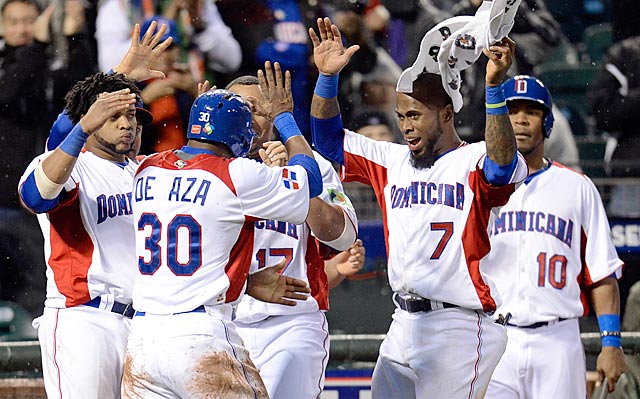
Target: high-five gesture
{"points": [[277, 93], [329, 54], [136, 64]]}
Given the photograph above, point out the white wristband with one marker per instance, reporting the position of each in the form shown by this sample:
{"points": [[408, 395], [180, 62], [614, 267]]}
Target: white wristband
{"points": [[47, 188], [347, 238]]}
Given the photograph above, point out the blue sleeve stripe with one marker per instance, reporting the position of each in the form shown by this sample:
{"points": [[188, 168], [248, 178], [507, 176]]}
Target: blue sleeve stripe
{"points": [[313, 172], [32, 198], [499, 175], [328, 137], [59, 131]]}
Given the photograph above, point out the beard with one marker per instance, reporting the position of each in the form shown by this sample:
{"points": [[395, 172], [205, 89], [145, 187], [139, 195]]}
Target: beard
{"points": [[427, 159], [422, 161], [122, 150]]}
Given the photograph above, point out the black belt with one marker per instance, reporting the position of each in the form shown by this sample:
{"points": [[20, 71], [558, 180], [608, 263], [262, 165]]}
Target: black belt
{"points": [[126, 310], [199, 309], [539, 324], [415, 305]]}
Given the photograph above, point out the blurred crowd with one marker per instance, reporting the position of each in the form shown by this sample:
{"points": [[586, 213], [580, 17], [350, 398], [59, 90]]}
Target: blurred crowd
{"points": [[47, 46]]}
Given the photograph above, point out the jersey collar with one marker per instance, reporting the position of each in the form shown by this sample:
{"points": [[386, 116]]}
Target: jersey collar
{"points": [[196, 151], [538, 172]]}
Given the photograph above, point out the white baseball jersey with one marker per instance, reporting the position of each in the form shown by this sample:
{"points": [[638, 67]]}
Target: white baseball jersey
{"points": [[274, 240], [435, 219], [562, 244], [88, 236], [194, 221]]}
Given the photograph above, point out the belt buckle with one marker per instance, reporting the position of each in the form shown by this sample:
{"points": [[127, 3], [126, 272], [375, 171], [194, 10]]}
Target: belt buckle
{"points": [[128, 311], [413, 303]]}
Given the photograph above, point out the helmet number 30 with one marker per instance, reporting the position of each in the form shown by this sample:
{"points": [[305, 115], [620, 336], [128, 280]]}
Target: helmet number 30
{"points": [[204, 117]]}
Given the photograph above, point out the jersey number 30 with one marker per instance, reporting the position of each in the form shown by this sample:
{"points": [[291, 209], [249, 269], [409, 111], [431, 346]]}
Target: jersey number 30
{"points": [[189, 226]]}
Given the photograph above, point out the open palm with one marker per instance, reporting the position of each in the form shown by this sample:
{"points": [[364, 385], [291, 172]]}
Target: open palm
{"points": [[329, 54]]}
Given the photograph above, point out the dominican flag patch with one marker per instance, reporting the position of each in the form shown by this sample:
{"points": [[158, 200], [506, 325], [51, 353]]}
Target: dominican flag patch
{"points": [[289, 179]]}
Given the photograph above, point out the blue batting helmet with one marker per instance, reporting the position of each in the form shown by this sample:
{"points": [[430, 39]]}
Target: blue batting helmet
{"points": [[523, 87], [223, 117]]}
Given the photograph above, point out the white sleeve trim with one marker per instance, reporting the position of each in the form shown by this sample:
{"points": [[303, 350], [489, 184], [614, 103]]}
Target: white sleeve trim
{"points": [[48, 189], [347, 238]]}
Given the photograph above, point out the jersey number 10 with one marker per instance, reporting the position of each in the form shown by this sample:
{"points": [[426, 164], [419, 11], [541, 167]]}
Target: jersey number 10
{"points": [[557, 278]]}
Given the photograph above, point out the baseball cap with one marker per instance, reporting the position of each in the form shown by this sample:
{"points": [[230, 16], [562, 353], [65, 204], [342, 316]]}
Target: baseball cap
{"points": [[172, 28], [143, 116]]}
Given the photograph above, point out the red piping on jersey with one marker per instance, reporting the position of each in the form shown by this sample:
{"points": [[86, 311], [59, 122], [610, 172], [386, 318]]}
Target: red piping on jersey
{"points": [[326, 353], [475, 238], [559, 165], [71, 251], [217, 166], [237, 269], [55, 352], [365, 171], [316, 275], [584, 277], [479, 356]]}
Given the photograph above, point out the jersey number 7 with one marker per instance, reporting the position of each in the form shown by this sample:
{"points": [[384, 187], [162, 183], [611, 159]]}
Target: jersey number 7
{"points": [[447, 227]]}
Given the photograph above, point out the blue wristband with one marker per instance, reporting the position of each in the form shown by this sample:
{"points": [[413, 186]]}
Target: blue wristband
{"points": [[610, 330], [73, 143], [495, 102], [327, 86], [287, 126]]}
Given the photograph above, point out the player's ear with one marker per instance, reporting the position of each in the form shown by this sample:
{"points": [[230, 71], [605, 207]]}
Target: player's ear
{"points": [[446, 114]]}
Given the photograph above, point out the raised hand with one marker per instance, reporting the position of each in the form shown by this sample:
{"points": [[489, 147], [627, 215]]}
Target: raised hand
{"points": [[74, 17], [274, 153], [136, 64], [204, 87], [269, 286], [500, 60], [277, 94], [329, 54], [106, 106], [41, 26]]}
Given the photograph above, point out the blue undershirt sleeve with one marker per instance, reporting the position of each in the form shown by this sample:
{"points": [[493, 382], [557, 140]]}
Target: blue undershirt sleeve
{"points": [[328, 137], [499, 175], [59, 131]]}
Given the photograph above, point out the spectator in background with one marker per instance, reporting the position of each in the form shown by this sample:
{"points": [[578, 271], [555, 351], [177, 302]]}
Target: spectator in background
{"points": [[375, 125], [276, 30], [375, 90], [614, 98], [561, 145], [77, 59], [168, 99], [203, 28], [25, 115]]}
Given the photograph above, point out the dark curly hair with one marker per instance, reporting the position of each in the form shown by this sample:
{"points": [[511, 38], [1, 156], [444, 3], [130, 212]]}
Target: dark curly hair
{"points": [[84, 93]]}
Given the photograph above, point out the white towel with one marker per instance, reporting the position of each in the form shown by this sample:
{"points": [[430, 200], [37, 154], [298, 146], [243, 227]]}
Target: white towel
{"points": [[458, 50]]}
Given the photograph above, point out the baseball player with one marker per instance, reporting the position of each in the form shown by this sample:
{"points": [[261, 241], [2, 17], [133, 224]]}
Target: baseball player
{"points": [[290, 345], [550, 248], [195, 210], [83, 201], [436, 194]]}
